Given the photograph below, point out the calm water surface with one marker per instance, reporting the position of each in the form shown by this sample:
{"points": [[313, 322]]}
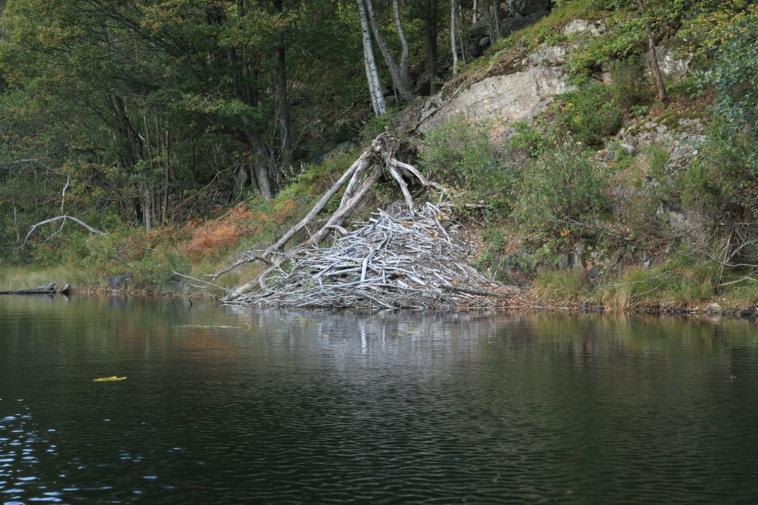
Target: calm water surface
{"points": [[225, 406]]}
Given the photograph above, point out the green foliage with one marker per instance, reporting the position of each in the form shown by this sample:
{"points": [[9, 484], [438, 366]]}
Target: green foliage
{"points": [[589, 114], [377, 125], [459, 153], [733, 75], [625, 34], [176, 100], [562, 286], [156, 269], [316, 178], [723, 181], [724, 178], [628, 87], [706, 26], [559, 192], [529, 139]]}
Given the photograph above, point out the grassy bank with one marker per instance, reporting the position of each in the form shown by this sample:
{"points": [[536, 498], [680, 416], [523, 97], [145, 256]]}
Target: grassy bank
{"points": [[150, 262]]}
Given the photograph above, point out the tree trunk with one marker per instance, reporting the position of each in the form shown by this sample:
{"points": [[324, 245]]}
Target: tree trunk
{"points": [[264, 183], [496, 18], [461, 39], [260, 170], [475, 15], [453, 32], [403, 42], [399, 80], [372, 74], [659, 84], [147, 211], [285, 116], [430, 32]]}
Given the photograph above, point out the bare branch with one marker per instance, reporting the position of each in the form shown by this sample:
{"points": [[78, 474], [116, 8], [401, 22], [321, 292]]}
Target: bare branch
{"points": [[63, 218]]}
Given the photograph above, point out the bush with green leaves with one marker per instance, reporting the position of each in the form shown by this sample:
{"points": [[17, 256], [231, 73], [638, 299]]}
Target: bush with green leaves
{"points": [[733, 75], [459, 153], [629, 87], [589, 114], [528, 139], [156, 271], [560, 194], [723, 181]]}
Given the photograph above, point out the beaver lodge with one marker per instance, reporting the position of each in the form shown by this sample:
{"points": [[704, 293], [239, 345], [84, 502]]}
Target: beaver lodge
{"points": [[409, 259]]}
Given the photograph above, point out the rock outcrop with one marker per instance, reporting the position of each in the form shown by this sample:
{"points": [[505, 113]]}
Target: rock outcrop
{"points": [[511, 97]]}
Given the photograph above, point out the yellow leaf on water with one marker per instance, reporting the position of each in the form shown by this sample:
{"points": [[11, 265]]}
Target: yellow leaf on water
{"points": [[112, 378]]}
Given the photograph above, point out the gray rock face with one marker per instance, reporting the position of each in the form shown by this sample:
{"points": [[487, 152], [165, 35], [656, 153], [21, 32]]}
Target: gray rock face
{"points": [[547, 55], [682, 143], [584, 26], [517, 96], [671, 66]]}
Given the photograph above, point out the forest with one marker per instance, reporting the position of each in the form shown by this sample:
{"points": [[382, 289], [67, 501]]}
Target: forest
{"points": [[150, 138]]}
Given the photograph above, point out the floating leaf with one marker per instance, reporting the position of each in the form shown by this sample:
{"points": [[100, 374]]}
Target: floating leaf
{"points": [[112, 378]]}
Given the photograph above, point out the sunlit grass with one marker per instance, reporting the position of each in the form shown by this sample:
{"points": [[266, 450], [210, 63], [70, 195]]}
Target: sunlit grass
{"points": [[13, 278]]}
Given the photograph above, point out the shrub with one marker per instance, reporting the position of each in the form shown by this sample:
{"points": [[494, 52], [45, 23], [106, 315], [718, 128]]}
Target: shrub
{"points": [[528, 139], [156, 270], [642, 191], [627, 88], [723, 181], [103, 250], [218, 235], [377, 125], [733, 74], [589, 114], [460, 153], [561, 193]]}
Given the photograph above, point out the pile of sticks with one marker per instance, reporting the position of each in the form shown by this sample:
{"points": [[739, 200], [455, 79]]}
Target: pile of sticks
{"points": [[405, 260]]}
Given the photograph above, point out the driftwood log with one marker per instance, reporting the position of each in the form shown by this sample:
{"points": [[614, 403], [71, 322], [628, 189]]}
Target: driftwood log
{"points": [[407, 259], [47, 289]]}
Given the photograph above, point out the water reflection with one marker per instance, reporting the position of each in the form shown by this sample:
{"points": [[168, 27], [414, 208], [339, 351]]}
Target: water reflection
{"points": [[232, 406]]}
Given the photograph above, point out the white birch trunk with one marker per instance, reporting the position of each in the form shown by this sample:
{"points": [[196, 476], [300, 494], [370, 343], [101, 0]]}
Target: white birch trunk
{"points": [[399, 79], [372, 74]]}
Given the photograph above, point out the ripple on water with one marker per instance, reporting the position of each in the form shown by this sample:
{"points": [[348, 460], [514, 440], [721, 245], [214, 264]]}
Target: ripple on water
{"points": [[397, 409]]}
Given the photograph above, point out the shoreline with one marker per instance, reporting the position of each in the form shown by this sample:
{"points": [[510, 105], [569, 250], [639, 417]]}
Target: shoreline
{"points": [[527, 304]]}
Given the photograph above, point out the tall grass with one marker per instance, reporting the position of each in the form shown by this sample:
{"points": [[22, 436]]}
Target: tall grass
{"points": [[13, 278]]}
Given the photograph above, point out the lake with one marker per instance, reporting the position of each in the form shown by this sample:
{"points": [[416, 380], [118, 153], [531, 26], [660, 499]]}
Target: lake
{"points": [[234, 406]]}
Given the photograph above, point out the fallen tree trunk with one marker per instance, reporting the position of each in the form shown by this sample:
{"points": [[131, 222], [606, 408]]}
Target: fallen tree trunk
{"points": [[47, 289]]}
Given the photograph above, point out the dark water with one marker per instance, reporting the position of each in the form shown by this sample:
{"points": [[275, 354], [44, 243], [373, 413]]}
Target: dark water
{"points": [[272, 407]]}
